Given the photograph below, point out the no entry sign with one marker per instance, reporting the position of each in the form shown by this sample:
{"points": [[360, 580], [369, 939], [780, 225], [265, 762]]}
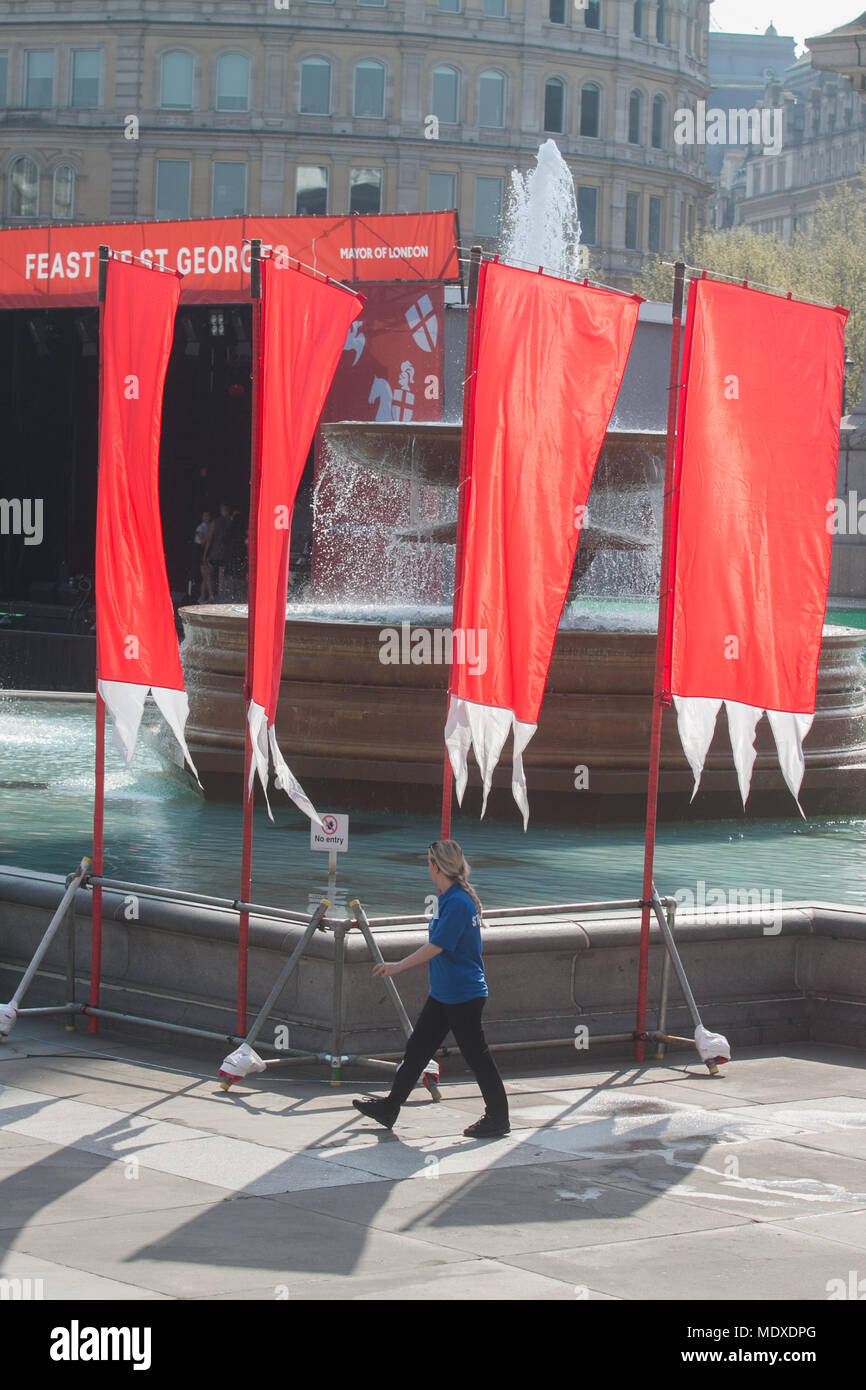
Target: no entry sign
{"points": [[333, 835]]}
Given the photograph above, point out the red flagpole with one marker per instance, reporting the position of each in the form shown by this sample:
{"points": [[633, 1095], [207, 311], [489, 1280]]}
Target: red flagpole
{"points": [[661, 696], [468, 392], [99, 787], [252, 555]]}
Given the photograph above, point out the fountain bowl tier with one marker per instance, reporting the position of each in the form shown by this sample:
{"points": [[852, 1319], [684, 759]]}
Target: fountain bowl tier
{"points": [[362, 733], [430, 453]]}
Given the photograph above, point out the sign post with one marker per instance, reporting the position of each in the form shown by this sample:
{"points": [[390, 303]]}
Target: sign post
{"points": [[332, 836]]}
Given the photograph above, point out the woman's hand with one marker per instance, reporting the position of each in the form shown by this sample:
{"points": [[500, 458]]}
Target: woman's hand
{"points": [[386, 969]]}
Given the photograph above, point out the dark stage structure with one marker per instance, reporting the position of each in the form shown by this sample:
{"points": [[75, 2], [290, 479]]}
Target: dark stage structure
{"points": [[49, 403]]}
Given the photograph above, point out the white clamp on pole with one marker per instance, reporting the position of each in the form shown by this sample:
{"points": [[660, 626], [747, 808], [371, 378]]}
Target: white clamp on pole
{"points": [[712, 1047], [242, 1062], [9, 1012]]}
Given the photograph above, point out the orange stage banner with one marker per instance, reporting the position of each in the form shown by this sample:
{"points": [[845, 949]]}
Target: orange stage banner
{"points": [[55, 267]]}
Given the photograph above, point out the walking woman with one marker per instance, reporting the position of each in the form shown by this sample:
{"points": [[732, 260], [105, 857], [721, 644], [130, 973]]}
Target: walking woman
{"points": [[458, 992]]}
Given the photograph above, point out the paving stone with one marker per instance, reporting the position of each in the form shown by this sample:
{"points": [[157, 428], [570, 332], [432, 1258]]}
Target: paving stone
{"points": [[761, 1263]]}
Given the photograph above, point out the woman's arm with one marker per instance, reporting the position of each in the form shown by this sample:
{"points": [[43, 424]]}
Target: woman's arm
{"points": [[396, 967]]}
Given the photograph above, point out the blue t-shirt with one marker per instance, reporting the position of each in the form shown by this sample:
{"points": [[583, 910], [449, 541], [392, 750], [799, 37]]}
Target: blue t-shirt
{"points": [[456, 975]]}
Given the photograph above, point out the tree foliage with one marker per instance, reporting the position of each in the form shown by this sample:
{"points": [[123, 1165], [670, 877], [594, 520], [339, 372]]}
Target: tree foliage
{"points": [[826, 262]]}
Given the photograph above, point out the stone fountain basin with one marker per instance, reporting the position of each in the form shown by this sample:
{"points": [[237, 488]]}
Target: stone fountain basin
{"points": [[362, 733], [430, 453]]}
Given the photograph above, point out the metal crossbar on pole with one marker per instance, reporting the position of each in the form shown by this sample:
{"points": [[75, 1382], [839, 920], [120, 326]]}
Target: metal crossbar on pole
{"points": [[9, 1012], [245, 1061], [430, 1075], [335, 1059]]}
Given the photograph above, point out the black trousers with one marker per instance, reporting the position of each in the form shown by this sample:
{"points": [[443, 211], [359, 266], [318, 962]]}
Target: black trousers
{"points": [[435, 1022]]}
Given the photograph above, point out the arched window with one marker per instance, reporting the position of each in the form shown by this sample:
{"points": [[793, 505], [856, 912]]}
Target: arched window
{"points": [[491, 99], [23, 188], [369, 89], [638, 18], [315, 87], [63, 201], [446, 86], [554, 105], [635, 118], [233, 82], [590, 109], [658, 130], [661, 23], [592, 15], [176, 81]]}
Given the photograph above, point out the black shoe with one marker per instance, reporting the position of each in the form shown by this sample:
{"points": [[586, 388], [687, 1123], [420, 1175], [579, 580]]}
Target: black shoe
{"points": [[378, 1110], [485, 1128]]}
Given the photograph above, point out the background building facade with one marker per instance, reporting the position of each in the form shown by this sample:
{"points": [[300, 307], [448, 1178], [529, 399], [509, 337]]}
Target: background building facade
{"points": [[823, 147], [133, 111]]}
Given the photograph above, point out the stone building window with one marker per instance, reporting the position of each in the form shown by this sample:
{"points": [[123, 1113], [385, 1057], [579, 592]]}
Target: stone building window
{"points": [[554, 105], [315, 87], [365, 190], [441, 192], [85, 77], [635, 117], [369, 89], [587, 215], [4, 79], [23, 188], [661, 22], [39, 78], [233, 82], [495, 9], [371, 2], [446, 83], [592, 15], [632, 217], [449, 6], [637, 23], [491, 99], [556, 11], [654, 240], [172, 187], [63, 200], [488, 206], [311, 190], [658, 122], [229, 198], [176, 81], [590, 110]]}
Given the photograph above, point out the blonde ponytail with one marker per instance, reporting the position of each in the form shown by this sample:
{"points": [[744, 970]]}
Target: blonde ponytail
{"points": [[449, 858]]}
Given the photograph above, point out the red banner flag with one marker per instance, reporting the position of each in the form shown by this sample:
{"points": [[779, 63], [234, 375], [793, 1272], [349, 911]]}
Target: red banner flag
{"points": [[549, 360], [136, 638], [758, 453], [305, 321]]}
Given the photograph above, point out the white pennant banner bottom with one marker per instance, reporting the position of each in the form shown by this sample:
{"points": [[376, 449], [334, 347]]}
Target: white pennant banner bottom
{"points": [[264, 739], [125, 705], [484, 729], [696, 719]]}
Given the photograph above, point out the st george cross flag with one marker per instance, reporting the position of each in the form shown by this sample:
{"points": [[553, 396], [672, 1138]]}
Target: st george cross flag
{"points": [[136, 638], [758, 452], [549, 360], [304, 324]]}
